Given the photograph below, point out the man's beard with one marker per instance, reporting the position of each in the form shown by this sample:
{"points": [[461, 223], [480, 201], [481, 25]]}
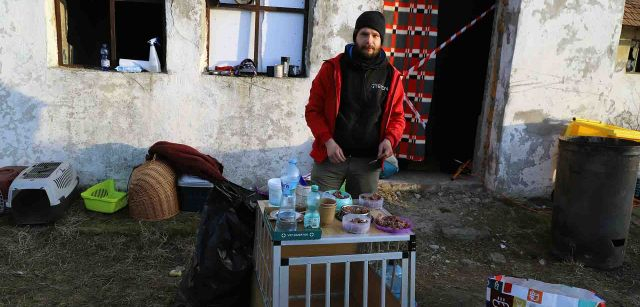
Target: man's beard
{"points": [[363, 51]]}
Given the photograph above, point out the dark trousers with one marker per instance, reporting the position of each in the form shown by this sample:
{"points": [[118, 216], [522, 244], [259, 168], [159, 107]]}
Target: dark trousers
{"points": [[360, 176]]}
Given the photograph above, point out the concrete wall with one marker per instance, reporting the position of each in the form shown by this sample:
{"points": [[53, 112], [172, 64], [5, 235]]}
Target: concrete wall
{"points": [[105, 121], [562, 67]]}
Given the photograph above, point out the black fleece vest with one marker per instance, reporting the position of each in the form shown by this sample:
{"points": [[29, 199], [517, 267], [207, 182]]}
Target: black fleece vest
{"points": [[363, 96]]}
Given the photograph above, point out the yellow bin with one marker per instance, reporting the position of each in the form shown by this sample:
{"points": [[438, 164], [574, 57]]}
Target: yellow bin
{"points": [[585, 127]]}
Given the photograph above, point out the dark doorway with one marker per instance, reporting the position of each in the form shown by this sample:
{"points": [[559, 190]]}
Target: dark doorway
{"points": [[459, 83]]}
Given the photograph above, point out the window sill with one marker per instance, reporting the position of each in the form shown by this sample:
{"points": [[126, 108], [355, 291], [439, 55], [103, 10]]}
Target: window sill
{"points": [[259, 76], [98, 70]]}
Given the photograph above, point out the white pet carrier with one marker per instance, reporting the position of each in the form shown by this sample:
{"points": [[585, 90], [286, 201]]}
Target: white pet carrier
{"points": [[42, 192]]}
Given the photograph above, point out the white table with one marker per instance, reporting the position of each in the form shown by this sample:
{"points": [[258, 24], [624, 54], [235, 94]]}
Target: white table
{"points": [[293, 272]]}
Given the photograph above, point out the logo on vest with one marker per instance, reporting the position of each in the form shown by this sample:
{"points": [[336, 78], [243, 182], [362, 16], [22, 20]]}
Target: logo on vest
{"points": [[377, 86]]}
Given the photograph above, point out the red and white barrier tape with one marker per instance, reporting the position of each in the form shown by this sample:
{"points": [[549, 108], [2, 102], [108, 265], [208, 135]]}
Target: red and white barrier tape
{"points": [[434, 52]]}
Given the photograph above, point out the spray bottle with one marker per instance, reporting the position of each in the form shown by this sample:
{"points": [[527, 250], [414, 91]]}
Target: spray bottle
{"points": [[154, 62]]}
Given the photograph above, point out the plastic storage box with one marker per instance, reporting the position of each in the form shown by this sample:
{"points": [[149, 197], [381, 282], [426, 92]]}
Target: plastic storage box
{"points": [[104, 198], [585, 127], [193, 192]]}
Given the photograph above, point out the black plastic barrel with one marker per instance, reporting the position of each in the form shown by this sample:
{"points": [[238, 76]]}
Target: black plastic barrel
{"points": [[593, 199]]}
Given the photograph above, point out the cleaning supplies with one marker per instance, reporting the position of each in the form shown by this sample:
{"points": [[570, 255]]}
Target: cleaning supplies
{"points": [[152, 65], [154, 62]]}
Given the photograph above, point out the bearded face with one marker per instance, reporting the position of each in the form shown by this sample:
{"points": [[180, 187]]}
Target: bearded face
{"points": [[368, 43]]}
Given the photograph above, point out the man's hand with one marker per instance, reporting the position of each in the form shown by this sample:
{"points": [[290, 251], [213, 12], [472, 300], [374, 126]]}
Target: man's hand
{"points": [[334, 152], [385, 150]]}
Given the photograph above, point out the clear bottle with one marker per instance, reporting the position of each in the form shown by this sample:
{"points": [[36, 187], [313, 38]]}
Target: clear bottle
{"points": [[312, 217], [105, 63], [290, 177], [287, 213]]}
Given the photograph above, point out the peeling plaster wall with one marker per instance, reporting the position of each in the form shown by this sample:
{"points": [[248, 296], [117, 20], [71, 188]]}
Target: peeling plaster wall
{"points": [[105, 121], [562, 67]]}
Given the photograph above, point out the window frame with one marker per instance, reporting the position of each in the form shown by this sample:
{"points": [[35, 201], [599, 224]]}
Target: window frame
{"points": [[258, 8], [112, 32]]}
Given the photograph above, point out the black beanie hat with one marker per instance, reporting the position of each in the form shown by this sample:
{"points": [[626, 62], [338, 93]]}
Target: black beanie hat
{"points": [[373, 20]]}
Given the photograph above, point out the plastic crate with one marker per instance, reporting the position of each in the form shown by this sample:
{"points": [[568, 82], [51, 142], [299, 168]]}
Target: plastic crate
{"points": [[585, 127], [104, 198]]}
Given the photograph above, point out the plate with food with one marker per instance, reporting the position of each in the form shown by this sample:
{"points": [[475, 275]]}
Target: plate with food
{"points": [[393, 224], [274, 216]]}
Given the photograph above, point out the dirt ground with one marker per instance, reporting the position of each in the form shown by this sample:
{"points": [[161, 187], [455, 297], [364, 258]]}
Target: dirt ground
{"points": [[464, 236]]}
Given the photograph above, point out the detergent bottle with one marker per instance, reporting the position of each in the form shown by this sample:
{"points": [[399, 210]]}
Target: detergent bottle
{"points": [[154, 62]]}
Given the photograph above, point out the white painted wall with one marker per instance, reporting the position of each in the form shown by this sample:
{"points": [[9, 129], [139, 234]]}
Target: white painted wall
{"points": [[105, 121], [562, 67]]}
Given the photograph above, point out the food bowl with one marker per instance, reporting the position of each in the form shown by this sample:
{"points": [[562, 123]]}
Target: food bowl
{"points": [[356, 223], [352, 209], [371, 200], [393, 224], [342, 198]]}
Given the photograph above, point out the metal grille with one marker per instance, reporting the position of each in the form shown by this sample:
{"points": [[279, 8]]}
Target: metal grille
{"points": [[41, 170], [64, 180]]}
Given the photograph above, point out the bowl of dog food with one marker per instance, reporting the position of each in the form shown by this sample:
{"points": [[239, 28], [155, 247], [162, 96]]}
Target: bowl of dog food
{"points": [[352, 209], [356, 223], [393, 224], [371, 200], [342, 198]]}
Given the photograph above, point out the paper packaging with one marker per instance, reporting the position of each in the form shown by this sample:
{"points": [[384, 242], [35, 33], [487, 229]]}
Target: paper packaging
{"points": [[505, 291]]}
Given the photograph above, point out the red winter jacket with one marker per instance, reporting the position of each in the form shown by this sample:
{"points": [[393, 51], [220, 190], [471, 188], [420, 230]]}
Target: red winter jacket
{"points": [[324, 103]]}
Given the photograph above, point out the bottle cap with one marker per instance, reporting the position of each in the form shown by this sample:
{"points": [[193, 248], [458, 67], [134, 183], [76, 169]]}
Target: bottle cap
{"points": [[293, 160], [314, 188]]}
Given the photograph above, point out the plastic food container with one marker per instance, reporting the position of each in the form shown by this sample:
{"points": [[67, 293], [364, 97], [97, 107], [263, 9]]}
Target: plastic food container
{"points": [[104, 198], [365, 200], [352, 227], [352, 209], [395, 230]]}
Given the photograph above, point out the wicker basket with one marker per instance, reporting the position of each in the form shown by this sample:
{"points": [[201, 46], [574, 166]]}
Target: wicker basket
{"points": [[152, 192]]}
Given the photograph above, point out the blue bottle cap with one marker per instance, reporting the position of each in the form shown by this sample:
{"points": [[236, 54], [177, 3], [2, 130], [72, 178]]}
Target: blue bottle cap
{"points": [[293, 160]]}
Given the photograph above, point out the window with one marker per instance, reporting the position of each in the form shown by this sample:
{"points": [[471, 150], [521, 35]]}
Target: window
{"points": [[632, 60], [630, 37], [262, 30], [124, 25]]}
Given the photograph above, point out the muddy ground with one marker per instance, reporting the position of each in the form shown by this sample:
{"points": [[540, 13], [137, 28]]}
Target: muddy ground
{"points": [[464, 235]]}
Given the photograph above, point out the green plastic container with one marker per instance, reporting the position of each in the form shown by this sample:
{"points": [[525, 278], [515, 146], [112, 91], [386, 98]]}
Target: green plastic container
{"points": [[104, 198]]}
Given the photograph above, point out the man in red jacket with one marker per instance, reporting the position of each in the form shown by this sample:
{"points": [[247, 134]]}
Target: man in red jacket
{"points": [[355, 111]]}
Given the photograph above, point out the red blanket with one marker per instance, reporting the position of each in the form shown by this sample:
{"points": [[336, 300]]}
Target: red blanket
{"points": [[188, 160]]}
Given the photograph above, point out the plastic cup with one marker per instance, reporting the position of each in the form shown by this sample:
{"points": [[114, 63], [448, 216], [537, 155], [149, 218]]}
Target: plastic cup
{"points": [[275, 191]]}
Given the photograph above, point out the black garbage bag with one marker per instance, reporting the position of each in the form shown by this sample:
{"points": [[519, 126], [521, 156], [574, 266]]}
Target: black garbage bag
{"points": [[221, 268]]}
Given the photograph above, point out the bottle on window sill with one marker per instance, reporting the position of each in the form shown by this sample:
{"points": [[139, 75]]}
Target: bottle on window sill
{"points": [[105, 63]]}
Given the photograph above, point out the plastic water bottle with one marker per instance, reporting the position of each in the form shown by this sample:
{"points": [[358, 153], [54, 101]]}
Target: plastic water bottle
{"points": [[289, 181], [312, 217], [289, 177], [287, 215], [105, 63]]}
